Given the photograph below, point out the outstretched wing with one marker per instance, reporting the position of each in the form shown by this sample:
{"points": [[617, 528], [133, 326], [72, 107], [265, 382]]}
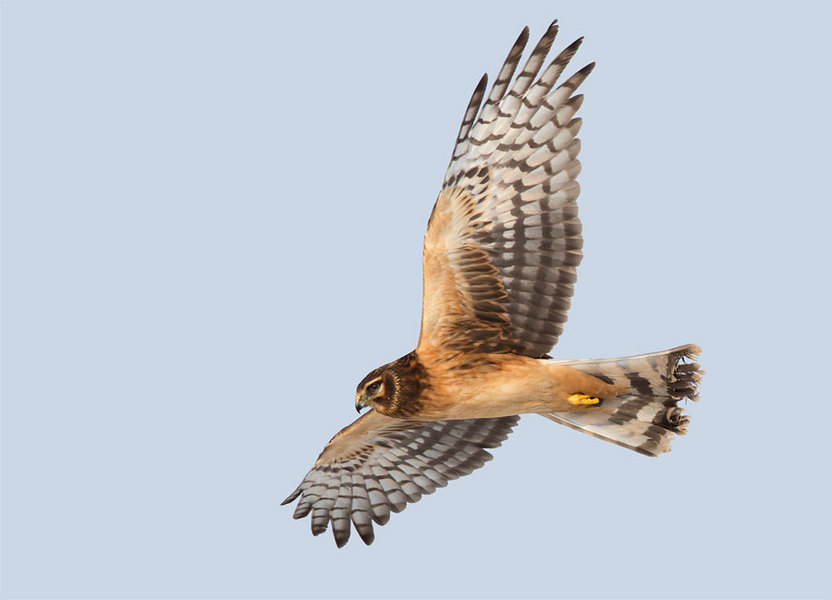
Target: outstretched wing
{"points": [[379, 464], [504, 239]]}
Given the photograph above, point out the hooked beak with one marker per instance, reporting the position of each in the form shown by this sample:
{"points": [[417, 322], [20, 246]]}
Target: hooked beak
{"points": [[360, 402]]}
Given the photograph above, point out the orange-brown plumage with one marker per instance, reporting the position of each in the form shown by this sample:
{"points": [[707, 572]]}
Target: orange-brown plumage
{"points": [[499, 265]]}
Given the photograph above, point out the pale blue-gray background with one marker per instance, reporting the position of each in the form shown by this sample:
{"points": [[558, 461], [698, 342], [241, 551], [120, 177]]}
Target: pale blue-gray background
{"points": [[212, 226]]}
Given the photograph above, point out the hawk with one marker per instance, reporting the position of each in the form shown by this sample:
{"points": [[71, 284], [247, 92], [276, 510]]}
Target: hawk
{"points": [[499, 266]]}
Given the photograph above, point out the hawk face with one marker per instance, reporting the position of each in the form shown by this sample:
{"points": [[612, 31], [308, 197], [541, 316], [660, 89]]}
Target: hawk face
{"points": [[373, 389], [393, 389]]}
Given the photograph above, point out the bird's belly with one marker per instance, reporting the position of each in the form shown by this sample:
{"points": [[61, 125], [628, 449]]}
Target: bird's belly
{"points": [[520, 387], [497, 393]]}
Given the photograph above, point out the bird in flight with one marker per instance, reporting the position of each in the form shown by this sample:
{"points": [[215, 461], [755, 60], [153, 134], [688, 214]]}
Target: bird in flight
{"points": [[499, 267]]}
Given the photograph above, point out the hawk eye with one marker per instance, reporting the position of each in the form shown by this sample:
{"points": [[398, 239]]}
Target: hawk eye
{"points": [[374, 387]]}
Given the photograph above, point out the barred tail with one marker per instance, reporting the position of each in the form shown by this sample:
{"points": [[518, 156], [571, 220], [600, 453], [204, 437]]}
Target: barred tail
{"points": [[646, 419]]}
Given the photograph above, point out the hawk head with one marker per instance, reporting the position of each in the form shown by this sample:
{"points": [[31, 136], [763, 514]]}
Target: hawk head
{"points": [[393, 389]]}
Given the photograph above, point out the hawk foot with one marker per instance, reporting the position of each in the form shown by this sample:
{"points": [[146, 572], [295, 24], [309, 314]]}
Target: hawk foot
{"points": [[582, 400]]}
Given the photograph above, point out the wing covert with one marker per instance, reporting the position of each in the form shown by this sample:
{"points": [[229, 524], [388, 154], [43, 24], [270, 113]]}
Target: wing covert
{"points": [[504, 239]]}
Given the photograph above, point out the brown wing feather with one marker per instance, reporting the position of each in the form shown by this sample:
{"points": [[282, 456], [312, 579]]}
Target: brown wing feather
{"points": [[504, 239], [378, 464]]}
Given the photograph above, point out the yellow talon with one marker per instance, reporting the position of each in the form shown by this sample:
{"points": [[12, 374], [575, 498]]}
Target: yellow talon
{"points": [[582, 400]]}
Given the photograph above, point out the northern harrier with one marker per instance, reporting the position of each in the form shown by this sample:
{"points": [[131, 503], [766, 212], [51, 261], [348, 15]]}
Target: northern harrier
{"points": [[499, 266]]}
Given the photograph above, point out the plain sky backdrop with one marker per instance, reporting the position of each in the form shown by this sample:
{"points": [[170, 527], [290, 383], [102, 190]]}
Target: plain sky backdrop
{"points": [[212, 224]]}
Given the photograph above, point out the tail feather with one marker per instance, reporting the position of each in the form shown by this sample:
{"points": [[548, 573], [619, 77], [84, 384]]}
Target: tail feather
{"points": [[646, 419]]}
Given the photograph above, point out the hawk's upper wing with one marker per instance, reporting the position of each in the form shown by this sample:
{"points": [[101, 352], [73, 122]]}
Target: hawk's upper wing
{"points": [[379, 464], [504, 239]]}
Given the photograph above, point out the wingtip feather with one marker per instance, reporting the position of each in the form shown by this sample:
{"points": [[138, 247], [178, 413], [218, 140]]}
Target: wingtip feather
{"points": [[292, 497]]}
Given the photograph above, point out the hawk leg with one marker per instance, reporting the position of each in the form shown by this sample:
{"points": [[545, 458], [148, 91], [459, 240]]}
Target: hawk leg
{"points": [[582, 400]]}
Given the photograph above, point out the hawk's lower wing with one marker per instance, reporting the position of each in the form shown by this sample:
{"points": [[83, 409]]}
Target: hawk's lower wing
{"points": [[378, 464]]}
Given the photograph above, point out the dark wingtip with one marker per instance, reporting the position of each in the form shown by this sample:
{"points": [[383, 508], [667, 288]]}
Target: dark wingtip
{"points": [[291, 498], [368, 536], [318, 529], [573, 47], [551, 31], [341, 539], [482, 84]]}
